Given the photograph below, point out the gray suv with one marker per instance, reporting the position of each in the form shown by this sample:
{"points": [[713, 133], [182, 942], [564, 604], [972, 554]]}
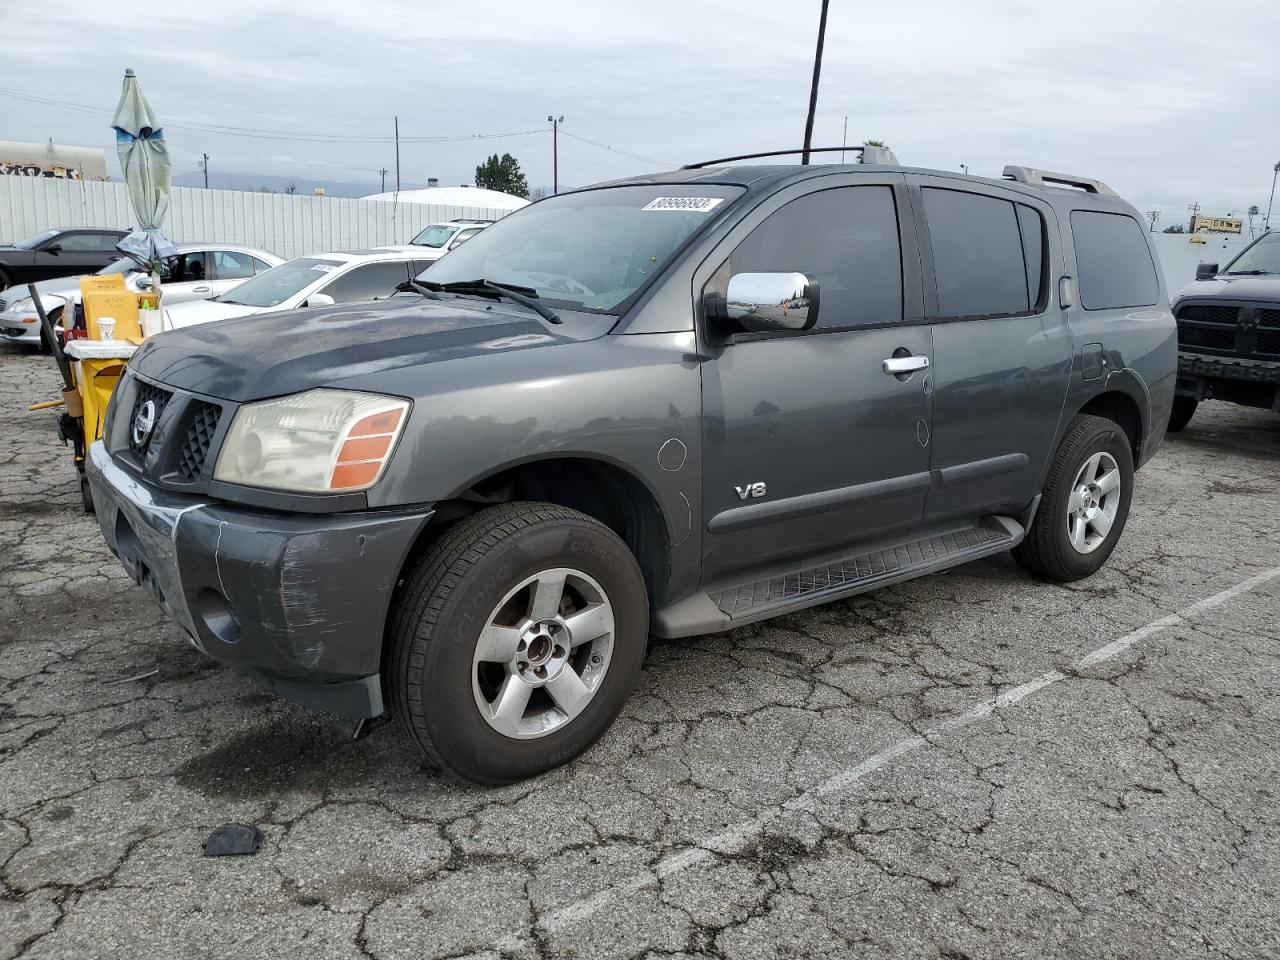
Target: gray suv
{"points": [[672, 404]]}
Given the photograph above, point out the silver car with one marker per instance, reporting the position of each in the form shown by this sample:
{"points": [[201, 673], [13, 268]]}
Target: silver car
{"points": [[199, 271]]}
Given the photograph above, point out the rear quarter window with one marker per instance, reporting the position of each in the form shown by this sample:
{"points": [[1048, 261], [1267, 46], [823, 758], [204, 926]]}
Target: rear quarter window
{"points": [[1113, 261]]}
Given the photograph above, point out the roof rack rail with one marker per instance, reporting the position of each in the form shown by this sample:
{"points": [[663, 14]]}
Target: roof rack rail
{"points": [[868, 155], [1041, 178]]}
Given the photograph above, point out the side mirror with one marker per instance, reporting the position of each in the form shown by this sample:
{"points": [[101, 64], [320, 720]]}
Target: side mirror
{"points": [[1206, 271], [144, 282], [758, 302], [320, 300], [54, 248]]}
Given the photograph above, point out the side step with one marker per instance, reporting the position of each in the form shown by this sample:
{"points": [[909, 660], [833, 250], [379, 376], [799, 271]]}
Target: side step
{"points": [[722, 608]]}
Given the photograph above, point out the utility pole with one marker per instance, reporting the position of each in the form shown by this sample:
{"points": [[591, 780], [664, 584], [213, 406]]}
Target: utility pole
{"points": [[813, 90], [204, 165], [383, 173], [1153, 215], [397, 154], [1275, 171], [1195, 209], [844, 138], [555, 151]]}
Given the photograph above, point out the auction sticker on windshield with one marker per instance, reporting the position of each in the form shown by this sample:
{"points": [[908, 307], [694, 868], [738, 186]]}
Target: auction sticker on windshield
{"points": [[684, 204]]}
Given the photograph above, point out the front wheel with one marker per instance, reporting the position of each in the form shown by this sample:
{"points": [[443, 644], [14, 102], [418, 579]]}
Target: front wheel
{"points": [[1184, 408], [515, 641], [1084, 504]]}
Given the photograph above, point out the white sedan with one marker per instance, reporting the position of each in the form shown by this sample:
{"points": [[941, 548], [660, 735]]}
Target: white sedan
{"points": [[198, 271], [307, 282]]}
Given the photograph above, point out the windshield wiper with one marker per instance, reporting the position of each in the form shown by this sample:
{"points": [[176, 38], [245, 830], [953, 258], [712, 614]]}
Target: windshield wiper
{"points": [[418, 286], [1248, 273], [525, 296]]}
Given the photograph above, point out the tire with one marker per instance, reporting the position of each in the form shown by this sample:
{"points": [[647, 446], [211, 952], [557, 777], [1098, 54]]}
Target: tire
{"points": [[5, 282], [86, 495], [1054, 548], [1184, 408], [438, 680]]}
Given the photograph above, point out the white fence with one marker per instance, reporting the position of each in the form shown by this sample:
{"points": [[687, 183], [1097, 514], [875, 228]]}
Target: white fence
{"points": [[284, 224]]}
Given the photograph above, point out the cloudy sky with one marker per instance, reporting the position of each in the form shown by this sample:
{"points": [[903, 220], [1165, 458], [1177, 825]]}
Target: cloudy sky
{"points": [[1169, 101]]}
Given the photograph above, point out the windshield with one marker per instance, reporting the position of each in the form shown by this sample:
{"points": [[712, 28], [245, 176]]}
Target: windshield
{"points": [[32, 242], [434, 236], [1262, 257], [586, 251], [274, 286]]}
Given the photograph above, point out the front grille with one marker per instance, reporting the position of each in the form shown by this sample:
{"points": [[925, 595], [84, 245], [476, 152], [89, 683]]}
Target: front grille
{"points": [[1207, 338], [157, 396], [1269, 318], [3, 304], [1206, 313], [1269, 345], [195, 449]]}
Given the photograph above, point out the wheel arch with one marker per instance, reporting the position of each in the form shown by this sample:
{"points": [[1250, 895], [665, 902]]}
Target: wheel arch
{"points": [[1118, 404], [601, 488]]}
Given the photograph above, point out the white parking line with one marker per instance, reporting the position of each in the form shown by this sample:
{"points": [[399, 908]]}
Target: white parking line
{"points": [[740, 836]]}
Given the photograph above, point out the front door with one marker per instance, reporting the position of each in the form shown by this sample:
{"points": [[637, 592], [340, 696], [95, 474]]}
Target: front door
{"points": [[810, 447]]}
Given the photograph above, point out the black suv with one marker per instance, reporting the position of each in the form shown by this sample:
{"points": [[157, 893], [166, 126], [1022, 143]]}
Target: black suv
{"points": [[675, 404], [1229, 333]]}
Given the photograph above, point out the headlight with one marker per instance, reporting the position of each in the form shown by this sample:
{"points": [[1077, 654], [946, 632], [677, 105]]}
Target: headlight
{"points": [[25, 305], [321, 441]]}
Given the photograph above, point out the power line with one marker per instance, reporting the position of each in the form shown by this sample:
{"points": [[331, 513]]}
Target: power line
{"points": [[624, 153]]}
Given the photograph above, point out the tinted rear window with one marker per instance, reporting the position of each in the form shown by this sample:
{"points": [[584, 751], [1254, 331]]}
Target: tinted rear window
{"points": [[977, 254], [1113, 261]]}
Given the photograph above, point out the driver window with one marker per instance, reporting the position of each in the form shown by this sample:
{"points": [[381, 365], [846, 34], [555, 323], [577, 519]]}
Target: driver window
{"points": [[847, 237]]}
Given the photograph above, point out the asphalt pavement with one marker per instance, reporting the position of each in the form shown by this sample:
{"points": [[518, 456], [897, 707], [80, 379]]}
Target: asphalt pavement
{"points": [[970, 765]]}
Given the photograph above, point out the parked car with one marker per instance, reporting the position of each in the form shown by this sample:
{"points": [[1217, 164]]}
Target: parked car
{"points": [[324, 279], [65, 252], [1229, 333], [678, 403], [439, 238], [199, 271]]}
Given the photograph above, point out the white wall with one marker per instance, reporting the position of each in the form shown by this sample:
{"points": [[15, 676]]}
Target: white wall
{"points": [[284, 224]]}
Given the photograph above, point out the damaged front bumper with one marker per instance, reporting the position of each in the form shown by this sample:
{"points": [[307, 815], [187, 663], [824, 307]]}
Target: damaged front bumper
{"points": [[297, 600]]}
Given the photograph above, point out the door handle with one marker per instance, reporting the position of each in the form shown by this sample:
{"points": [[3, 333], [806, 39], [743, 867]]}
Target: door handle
{"points": [[201, 289], [896, 365]]}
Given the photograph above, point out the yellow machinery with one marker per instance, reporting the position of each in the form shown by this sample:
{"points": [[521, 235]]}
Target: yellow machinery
{"points": [[91, 366]]}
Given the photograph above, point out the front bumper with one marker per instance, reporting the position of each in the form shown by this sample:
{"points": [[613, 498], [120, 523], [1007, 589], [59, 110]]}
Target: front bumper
{"points": [[299, 601], [19, 328]]}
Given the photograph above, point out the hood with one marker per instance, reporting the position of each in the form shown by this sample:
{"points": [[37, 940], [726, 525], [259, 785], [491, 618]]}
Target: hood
{"points": [[1233, 288], [194, 312], [271, 355], [63, 287]]}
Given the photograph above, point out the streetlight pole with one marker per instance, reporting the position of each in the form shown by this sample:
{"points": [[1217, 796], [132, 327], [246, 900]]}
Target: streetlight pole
{"points": [[1275, 171], [204, 165], [555, 151], [813, 90]]}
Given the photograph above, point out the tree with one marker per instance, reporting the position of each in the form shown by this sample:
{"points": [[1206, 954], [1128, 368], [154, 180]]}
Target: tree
{"points": [[873, 143], [502, 173], [1253, 212], [1176, 228]]}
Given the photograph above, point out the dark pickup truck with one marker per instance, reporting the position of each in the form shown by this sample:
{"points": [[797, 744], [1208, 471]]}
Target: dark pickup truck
{"points": [[675, 404], [1229, 333]]}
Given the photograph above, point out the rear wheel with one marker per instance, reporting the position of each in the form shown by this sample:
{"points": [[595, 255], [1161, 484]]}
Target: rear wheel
{"points": [[1184, 408], [515, 641], [1084, 504]]}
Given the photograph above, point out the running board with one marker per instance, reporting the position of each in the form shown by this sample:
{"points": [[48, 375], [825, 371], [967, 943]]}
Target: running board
{"points": [[722, 608]]}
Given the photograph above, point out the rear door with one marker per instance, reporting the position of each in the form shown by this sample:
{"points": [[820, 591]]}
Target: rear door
{"points": [[1001, 342], [810, 447]]}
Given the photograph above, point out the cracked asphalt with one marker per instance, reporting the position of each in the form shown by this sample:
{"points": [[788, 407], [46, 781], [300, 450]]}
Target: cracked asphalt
{"points": [[927, 771]]}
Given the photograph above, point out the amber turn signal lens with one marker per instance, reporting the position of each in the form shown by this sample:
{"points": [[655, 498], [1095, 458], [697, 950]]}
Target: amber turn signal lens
{"points": [[362, 454]]}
